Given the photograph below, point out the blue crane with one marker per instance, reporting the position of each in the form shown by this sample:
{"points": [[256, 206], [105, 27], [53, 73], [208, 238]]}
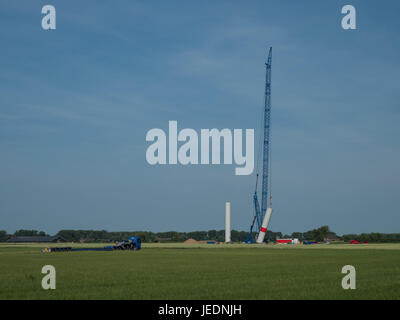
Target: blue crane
{"points": [[259, 215]]}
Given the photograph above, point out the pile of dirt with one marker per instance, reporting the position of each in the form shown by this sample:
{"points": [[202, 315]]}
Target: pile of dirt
{"points": [[190, 241]]}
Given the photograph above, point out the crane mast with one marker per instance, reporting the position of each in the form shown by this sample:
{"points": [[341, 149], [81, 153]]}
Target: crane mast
{"points": [[262, 217], [267, 133]]}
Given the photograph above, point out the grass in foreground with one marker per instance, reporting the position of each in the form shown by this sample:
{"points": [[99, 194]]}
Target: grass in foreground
{"points": [[203, 272]]}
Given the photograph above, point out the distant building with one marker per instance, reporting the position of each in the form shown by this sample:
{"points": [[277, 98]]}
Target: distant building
{"points": [[331, 237], [36, 239], [163, 239], [87, 240]]}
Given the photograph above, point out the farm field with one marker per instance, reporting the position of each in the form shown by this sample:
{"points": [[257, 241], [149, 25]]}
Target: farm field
{"points": [[201, 271]]}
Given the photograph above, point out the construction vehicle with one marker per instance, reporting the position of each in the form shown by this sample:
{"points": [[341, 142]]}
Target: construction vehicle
{"points": [[134, 243]]}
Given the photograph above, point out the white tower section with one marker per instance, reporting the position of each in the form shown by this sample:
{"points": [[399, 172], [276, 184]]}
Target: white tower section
{"points": [[227, 222], [264, 226]]}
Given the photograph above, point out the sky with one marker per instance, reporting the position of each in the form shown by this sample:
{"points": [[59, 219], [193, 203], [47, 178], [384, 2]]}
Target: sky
{"points": [[76, 104]]}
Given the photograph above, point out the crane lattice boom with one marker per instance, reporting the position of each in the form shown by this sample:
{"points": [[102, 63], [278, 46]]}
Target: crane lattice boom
{"points": [[260, 215]]}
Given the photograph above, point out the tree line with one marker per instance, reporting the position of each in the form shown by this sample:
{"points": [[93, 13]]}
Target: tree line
{"points": [[148, 236], [373, 237], [4, 236], [319, 234]]}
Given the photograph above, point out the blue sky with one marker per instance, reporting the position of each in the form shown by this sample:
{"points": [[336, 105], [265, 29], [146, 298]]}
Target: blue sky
{"points": [[76, 104]]}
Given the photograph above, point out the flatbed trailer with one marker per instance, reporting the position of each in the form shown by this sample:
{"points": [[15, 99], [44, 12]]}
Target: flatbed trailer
{"points": [[134, 243]]}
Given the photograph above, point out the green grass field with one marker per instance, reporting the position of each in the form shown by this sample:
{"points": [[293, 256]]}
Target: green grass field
{"points": [[180, 271]]}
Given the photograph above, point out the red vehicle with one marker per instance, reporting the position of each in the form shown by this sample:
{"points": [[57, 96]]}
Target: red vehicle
{"points": [[354, 242], [284, 241]]}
